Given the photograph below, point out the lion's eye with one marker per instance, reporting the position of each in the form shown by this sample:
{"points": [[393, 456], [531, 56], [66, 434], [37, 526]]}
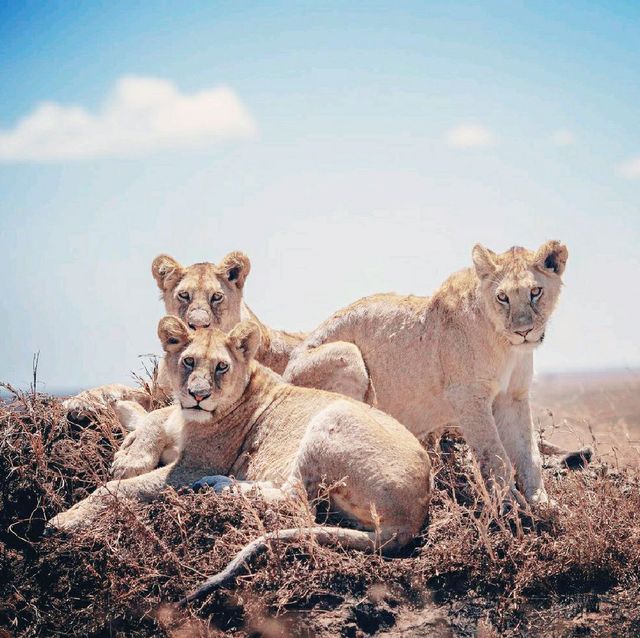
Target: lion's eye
{"points": [[183, 296], [217, 297], [502, 298], [188, 362], [536, 292], [222, 367]]}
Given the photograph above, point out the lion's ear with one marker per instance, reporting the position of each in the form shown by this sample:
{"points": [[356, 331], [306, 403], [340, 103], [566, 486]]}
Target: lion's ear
{"points": [[235, 267], [484, 261], [552, 257], [245, 340], [174, 334], [166, 271]]}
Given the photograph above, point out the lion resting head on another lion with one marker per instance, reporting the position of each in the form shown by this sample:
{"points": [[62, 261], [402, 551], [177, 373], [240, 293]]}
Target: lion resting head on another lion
{"points": [[203, 295]]}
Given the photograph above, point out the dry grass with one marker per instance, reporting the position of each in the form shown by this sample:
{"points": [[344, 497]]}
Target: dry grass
{"points": [[598, 408], [574, 572]]}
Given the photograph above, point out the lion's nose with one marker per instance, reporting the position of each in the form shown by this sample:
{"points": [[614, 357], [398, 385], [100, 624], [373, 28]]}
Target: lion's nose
{"points": [[199, 319], [200, 396]]}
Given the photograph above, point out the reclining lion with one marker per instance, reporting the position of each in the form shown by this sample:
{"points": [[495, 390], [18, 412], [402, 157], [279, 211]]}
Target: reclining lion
{"points": [[202, 295], [236, 417], [462, 358]]}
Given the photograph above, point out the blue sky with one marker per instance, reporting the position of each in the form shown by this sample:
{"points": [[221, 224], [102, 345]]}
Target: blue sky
{"points": [[363, 149]]}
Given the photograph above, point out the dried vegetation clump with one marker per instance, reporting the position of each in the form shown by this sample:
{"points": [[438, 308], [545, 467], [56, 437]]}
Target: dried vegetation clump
{"points": [[575, 571]]}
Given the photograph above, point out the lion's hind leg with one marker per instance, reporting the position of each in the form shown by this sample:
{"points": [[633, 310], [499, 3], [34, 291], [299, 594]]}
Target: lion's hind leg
{"points": [[378, 474], [88, 404], [336, 367]]}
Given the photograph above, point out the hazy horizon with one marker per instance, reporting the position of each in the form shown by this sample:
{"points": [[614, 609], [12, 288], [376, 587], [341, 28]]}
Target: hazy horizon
{"points": [[347, 150]]}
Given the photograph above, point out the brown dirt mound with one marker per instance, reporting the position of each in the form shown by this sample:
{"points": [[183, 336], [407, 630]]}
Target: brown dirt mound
{"points": [[575, 572]]}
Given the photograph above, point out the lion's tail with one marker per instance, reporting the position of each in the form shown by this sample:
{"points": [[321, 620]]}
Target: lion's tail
{"points": [[351, 538], [573, 459]]}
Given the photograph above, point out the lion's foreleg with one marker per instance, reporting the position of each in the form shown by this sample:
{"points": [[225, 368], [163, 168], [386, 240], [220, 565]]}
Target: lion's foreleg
{"points": [[515, 427], [140, 488], [143, 448], [473, 411]]}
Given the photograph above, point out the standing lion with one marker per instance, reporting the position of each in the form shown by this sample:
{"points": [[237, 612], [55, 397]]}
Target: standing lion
{"points": [[461, 358]]}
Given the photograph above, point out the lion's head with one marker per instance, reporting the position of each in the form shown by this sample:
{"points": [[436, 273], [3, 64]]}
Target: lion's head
{"points": [[203, 295], [209, 369], [520, 289]]}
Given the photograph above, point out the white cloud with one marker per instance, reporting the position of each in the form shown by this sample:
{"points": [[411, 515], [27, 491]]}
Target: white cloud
{"points": [[563, 137], [630, 169], [139, 116], [467, 135]]}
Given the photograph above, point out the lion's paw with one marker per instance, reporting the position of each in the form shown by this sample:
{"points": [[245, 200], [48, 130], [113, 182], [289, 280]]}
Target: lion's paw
{"points": [[126, 463], [81, 408], [540, 500], [218, 482], [65, 521]]}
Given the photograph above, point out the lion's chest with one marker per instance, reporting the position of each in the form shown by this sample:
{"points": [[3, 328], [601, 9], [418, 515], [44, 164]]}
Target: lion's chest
{"points": [[505, 373], [214, 451]]}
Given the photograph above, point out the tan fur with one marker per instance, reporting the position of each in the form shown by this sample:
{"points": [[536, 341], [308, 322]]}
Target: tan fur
{"points": [[237, 417], [202, 295], [451, 360]]}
